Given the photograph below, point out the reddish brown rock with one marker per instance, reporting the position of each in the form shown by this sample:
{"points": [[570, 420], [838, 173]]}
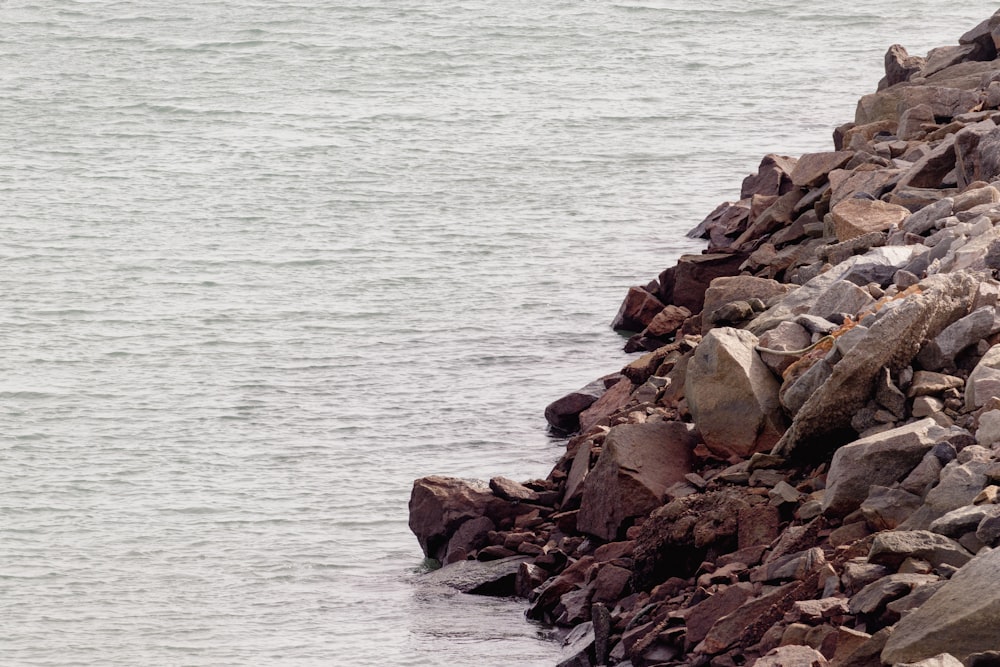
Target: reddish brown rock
{"points": [[812, 168], [773, 177], [613, 400], [611, 583], [667, 321], [930, 170], [637, 310], [700, 618], [900, 65], [439, 505], [694, 273], [637, 464]]}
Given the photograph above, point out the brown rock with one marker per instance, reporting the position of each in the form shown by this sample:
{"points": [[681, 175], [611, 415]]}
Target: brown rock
{"points": [[700, 618], [786, 336], [611, 584], [470, 537], [773, 177], [613, 400], [930, 170], [637, 310], [857, 217], [792, 656], [563, 414], [727, 289], [637, 464], [900, 65], [728, 629], [667, 321], [913, 120], [812, 168], [846, 184], [694, 273], [439, 505], [508, 489], [758, 526], [890, 103]]}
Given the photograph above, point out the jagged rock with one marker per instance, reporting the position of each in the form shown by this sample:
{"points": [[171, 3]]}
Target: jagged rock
{"points": [[968, 158], [912, 120], [983, 36], [674, 539], [857, 217], [637, 464], [890, 103], [796, 391], [941, 352], [667, 321], [924, 220], [959, 484], [611, 583], [563, 414], [578, 646], [989, 428], [812, 168], [637, 310], [471, 536], [873, 597], [878, 460], [886, 508], [892, 342], [439, 505], [930, 383], [900, 65], [871, 181], [963, 520], [859, 574], [891, 548], [732, 395], [773, 177], [792, 656], [728, 629], [477, 577], [614, 399], [960, 619], [693, 274], [741, 288], [984, 381], [842, 297], [793, 566], [700, 618], [786, 336], [508, 489]]}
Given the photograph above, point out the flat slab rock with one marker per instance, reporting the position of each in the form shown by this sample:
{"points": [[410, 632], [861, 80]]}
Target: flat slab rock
{"points": [[960, 619], [477, 578]]}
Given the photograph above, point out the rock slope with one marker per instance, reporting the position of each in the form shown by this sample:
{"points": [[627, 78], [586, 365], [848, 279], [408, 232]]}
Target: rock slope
{"points": [[803, 465]]}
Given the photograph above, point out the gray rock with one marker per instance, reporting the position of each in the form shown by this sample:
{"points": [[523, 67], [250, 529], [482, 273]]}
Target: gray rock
{"points": [[879, 460], [578, 646], [984, 381], [477, 577], [959, 485], [924, 220], [873, 597], [942, 660], [786, 336], [886, 508], [961, 619], [892, 547], [841, 298], [925, 406], [508, 489], [888, 395], [930, 170], [796, 392], [792, 656], [963, 520], [858, 574], [637, 464], [732, 395], [988, 531], [892, 342], [940, 353]]}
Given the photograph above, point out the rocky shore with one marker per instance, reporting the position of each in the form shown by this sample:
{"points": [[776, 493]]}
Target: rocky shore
{"points": [[802, 465]]}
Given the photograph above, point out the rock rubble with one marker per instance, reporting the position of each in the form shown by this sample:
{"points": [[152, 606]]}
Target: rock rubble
{"points": [[802, 466]]}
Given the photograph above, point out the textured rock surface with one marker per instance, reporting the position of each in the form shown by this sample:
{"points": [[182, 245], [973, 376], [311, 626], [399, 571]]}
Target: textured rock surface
{"points": [[637, 464], [732, 394], [961, 619]]}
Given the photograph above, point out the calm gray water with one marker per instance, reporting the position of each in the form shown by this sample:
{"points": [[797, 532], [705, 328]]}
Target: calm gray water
{"points": [[264, 263]]}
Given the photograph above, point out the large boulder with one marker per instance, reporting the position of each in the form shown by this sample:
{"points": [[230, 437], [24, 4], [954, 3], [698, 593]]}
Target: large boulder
{"points": [[892, 342], [440, 505], [494, 578], [878, 460], [812, 168], [637, 310], [732, 395], [857, 217], [686, 282], [637, 464], [888, 104], [961, 618]]}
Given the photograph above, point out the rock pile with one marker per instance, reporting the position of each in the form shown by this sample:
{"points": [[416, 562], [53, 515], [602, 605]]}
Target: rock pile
{"points": [[803, 466]]}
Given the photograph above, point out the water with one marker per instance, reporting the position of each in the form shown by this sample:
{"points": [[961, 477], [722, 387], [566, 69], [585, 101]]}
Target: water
{"points": [[265, 263]]}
